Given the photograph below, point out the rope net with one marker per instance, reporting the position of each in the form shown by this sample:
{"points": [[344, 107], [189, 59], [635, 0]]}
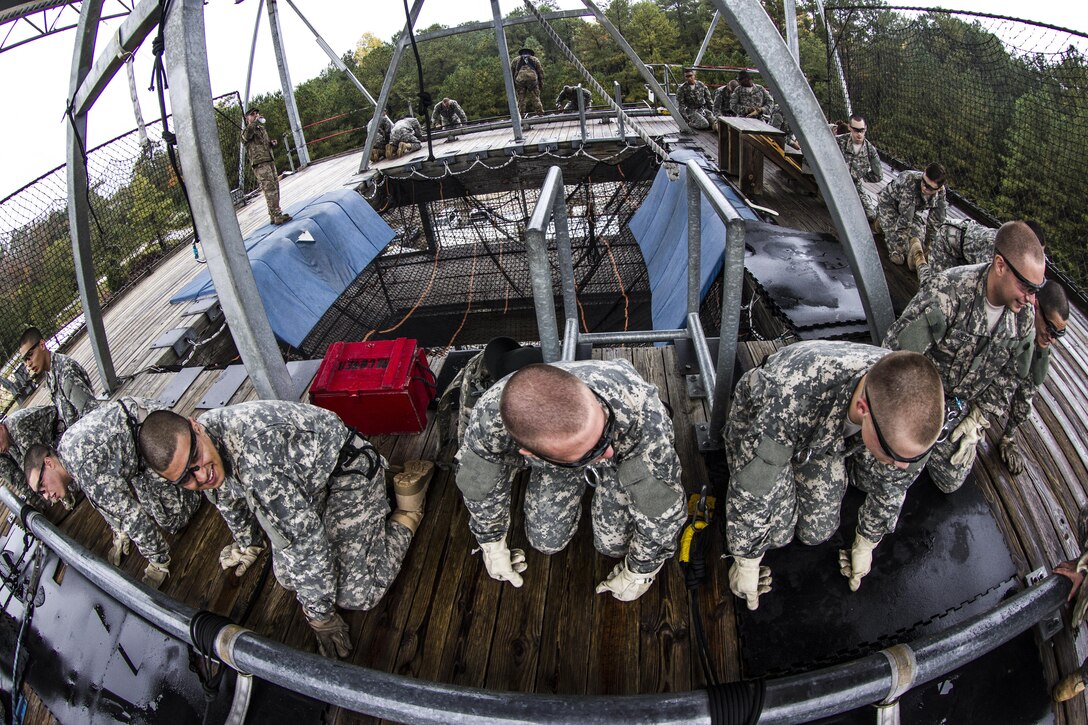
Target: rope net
{"points": [[137, 216], [1001, 103], [472, 283]]}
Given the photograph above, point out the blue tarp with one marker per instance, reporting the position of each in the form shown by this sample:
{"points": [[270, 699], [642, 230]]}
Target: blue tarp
{"points": [[302, 267], [660, 226]]}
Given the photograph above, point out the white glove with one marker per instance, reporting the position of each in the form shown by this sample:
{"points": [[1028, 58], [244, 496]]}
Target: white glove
{"points": [[858, 561], [234, 555], [968, 433], [502, 563], [626, 585], [121, 546], [155, 574], [748, 579]]}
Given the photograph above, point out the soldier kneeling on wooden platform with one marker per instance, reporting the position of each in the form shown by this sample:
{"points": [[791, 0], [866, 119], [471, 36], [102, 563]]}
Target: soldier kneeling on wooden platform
{"points": [[314, 486]]}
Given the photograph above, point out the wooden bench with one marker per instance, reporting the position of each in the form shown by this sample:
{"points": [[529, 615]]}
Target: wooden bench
{"points": [[738, 157]]}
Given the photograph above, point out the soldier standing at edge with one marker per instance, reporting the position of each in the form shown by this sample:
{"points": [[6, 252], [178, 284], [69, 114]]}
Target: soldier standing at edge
{"points": [[259, 150]]}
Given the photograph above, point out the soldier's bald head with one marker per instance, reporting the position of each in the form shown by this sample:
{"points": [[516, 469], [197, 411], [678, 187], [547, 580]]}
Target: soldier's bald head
{"points": [[905, 390], [159, 436], [1017, 242], [541, 403]]}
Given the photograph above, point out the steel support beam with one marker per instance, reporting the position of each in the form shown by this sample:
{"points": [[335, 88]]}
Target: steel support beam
{"points": [[387, 85], [834, 49], [706, 41], [78, 204], [647, 76], [333, 57], [763, 43], [245, 98], [789, 21], [293, 119], [507, 73], [137, 26], [202, 164]]}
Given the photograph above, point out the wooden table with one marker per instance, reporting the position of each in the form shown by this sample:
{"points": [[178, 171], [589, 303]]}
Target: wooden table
{"points": [[738, 157]]}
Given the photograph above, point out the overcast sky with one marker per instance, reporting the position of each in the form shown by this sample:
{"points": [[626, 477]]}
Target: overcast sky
{"points": [[34, 77]]}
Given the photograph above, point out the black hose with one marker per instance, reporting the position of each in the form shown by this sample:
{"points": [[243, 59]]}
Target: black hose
{"points": [[736, 703]]}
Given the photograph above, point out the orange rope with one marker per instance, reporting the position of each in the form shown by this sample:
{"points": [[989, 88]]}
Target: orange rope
{"points": [[468, 306]]}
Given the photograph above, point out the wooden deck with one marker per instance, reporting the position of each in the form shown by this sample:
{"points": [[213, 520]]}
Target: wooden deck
{"points": [[444, 619]]}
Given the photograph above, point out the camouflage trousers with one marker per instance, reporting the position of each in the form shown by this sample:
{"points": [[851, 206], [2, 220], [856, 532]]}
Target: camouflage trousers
{"points": [[698, 118], [868, 202], [269, 182], [171, 506], [805, 499], [528, 92], [367, 549], [946, 476]]}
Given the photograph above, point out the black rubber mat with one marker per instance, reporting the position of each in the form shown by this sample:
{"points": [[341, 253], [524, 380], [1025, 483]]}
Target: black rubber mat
{"points": [[946, 562]]}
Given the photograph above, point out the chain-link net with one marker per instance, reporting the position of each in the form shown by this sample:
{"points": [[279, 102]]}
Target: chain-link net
{"points": [[471, 283], [138, 215], [1001, 103]]}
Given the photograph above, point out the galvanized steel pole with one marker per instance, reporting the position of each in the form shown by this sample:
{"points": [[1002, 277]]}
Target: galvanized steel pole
{"points": [[288, 88], [507, 73], [213, 212]]}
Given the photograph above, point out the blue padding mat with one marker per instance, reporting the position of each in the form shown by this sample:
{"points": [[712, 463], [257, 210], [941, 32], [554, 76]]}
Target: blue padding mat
{"points": [[660, 226], [302, 266]]}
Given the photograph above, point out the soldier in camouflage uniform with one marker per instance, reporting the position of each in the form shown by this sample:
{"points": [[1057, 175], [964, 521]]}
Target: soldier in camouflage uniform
{"points": [[567, 100], [570, 424], [381, 137], [695, 103], [977, 325], [67, 381], [750, 100], [800, 428], [528, 80], [957, 244], [448, 114], [98, 456], [405, 138], [862, 160], [1051, 318], [722, 97], [315, 487], [19, 431], [259, 150], [911, 208]]}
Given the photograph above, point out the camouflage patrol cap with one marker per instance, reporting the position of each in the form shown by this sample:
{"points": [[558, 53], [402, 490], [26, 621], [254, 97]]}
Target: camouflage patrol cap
{"points": [[523, 51], [252, 110], [503, 355]]}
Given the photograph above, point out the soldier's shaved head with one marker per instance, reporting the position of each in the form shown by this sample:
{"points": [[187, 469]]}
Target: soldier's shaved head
{"points": [[159, 435], [1018, 243], [31, 336], [904, 388], [541, 403], [32, 461]]}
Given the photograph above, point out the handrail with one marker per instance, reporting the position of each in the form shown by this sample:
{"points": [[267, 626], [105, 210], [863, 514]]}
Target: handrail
{"points": [[790, 699]]}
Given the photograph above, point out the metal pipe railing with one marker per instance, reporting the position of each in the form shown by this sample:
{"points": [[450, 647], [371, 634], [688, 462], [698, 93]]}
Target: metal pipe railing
{"points": [[797, 698]]}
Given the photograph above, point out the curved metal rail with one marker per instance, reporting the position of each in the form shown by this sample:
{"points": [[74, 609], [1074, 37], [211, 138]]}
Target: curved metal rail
{"points": [[798, 698]]}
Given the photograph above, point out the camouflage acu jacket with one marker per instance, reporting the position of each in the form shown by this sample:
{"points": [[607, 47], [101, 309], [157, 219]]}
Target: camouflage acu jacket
{"points": [[905, 213], [277, 459], [960, 243], [27, 427], [946, 322], [693, 97], [643, 449], [258, 144], [70, 387], [865, 165], [788, 418], [744, 100]]}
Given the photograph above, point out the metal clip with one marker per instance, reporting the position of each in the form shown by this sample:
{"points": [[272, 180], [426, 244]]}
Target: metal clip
{"points": [[955, 409]]}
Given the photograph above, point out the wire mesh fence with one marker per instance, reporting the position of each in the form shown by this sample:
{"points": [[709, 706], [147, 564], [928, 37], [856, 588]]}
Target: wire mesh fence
{"points": [[138, 216], [472, 282], [1001, 103]]}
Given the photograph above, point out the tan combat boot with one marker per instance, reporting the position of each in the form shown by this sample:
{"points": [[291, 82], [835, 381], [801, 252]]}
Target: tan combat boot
{"points": [[1069, 687], [404, 149], [410, 487], [375, 155], [390, 151], [916, 255]]}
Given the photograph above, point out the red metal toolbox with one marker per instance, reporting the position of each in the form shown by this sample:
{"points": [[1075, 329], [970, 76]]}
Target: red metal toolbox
{"points": [[380, 387]]}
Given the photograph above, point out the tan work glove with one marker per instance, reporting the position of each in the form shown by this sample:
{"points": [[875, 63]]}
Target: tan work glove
{"points": [[333, 635], [234, 555], [121, 545], [1011, 455], [155, 574], [503, 563], [858, 561], [968, 433], [626, 585], [747, 579]]}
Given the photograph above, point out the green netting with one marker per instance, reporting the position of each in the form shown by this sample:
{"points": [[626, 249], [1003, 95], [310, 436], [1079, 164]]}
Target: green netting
{"points": [[138, 216], [1002, 103]]}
